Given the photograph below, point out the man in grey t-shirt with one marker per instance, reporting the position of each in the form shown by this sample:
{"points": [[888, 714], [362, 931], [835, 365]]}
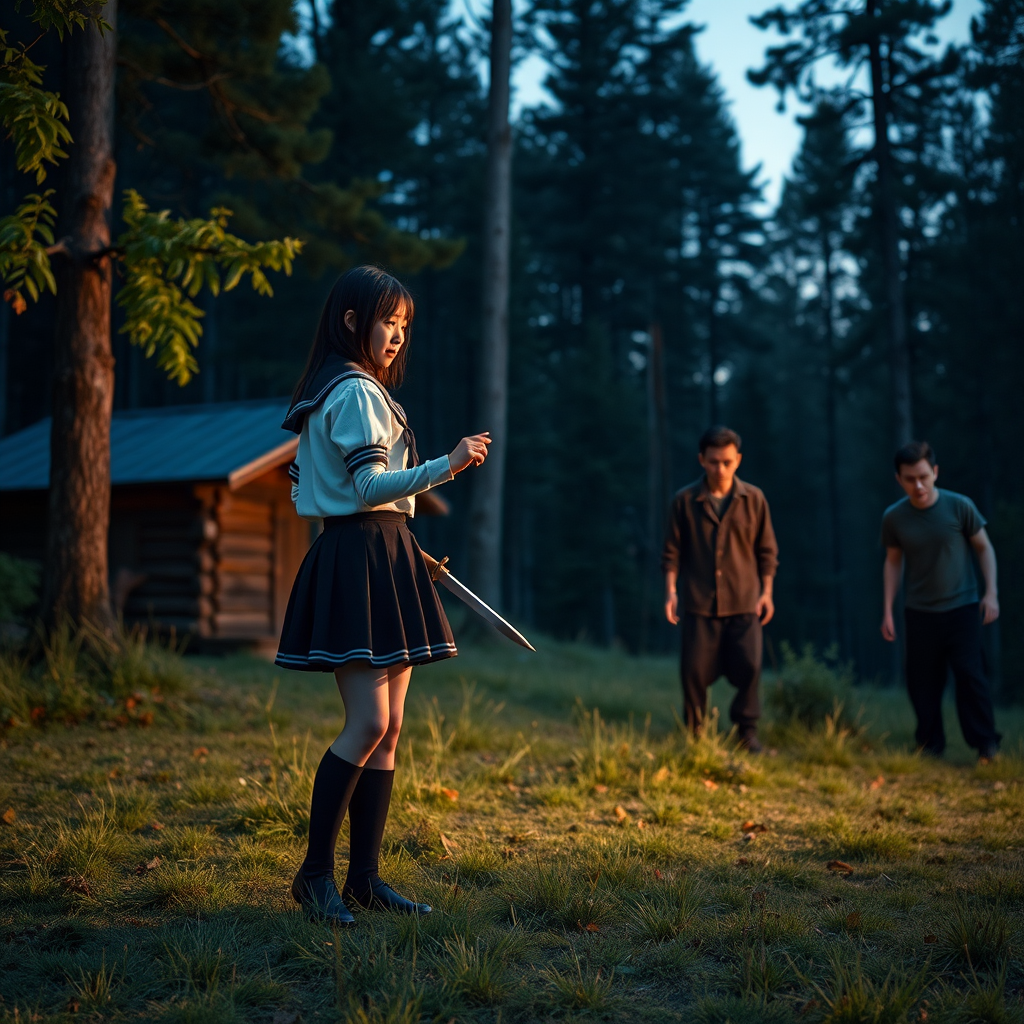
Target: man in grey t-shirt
{"points": [[928, 537]]}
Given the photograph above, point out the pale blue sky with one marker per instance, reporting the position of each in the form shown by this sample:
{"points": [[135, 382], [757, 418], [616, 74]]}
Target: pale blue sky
{"points": [[731, 45]]}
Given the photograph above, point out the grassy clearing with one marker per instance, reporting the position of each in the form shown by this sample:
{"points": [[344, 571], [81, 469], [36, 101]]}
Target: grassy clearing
{"points": [[585, 861]]}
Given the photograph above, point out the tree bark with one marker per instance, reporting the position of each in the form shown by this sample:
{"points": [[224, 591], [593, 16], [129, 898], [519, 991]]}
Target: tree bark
{"points": [[832, 450], [75, 586], [485, 518], [658, 477], [899, 349]]}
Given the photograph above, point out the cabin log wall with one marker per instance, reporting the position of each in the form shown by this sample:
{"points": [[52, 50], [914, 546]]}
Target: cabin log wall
{"points": [[197, 558]]}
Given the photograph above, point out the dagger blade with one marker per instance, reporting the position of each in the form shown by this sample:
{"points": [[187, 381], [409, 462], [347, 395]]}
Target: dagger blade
{"points": [[484, 610]]}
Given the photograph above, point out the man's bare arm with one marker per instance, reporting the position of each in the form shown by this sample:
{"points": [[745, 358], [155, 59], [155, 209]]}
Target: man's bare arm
{"points": [[987, 560], [892, 573], [671, 599], [766, 602]]}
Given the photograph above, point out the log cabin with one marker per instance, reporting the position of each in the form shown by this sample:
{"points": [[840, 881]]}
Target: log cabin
{"points": [[203, 534]]}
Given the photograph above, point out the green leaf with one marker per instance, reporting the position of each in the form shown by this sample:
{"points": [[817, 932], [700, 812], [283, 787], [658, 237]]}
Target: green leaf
{"points": [[167, 263]]}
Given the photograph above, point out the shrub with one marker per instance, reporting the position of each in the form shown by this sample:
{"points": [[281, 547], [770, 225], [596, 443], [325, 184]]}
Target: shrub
{"points": [[808, 689], [19, 587], [72, 676]]}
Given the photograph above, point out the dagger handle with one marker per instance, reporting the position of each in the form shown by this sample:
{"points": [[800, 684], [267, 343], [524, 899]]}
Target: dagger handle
{"points": [[435, 567]]}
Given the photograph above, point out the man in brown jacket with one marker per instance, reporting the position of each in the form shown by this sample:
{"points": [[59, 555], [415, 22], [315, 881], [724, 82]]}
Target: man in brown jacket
{"points": [[720, 558]]}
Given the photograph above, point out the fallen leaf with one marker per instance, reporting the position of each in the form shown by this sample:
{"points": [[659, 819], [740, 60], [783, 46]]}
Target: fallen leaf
{"points": [[77, 883], [853, 920], [451, 848], [748, 837], [930, 939], [658, 875], [661, 774], [840, 866], [450, 794], [9, 816], [201, 752], [877, 783], [149, 865], [753, 826], [521, 837], [742, 862], [592, 927], [710, 784], [156, 826], [620, 812], [640, 823], [600, 787], [511, 787], [74, 1005], [242, 781]]}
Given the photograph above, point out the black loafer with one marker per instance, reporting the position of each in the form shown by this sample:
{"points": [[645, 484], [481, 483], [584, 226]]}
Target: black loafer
{"points": [[751, 744], [319, 898], [379, 895]]}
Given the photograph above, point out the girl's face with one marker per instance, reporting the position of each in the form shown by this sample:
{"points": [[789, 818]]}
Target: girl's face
{"points": [[387, 336]]}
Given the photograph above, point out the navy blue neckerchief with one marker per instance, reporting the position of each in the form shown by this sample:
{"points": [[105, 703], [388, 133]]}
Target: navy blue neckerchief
{"points": [[336, 369]]}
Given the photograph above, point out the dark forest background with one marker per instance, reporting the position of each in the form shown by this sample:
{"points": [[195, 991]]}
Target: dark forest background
{"points": [[643, 268]]}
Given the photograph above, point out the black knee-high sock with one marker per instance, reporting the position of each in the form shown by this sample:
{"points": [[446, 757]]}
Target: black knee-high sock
{"points": [[367, 815], [333, 786]]}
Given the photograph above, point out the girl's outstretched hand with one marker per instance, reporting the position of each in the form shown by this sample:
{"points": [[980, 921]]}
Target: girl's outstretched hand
{"points": [[470, 451]]}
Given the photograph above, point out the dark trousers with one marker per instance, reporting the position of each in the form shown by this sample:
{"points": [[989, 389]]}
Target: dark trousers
{"points": [[936, 643], [728, 646]]}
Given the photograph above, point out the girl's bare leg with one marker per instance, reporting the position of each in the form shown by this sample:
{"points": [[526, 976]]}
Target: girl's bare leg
{"points": [[368, 811], [365, 692], [383, 756]]}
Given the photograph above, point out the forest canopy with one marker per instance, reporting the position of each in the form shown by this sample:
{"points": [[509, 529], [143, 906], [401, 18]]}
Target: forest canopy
{"points": [[653, 291]]}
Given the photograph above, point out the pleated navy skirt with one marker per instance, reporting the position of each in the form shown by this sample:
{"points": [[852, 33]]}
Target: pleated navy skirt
{"points": [[363, 592]]}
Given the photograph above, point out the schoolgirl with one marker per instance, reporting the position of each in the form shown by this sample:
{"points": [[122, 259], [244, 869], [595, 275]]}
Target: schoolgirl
{"points": [[363, 604]]}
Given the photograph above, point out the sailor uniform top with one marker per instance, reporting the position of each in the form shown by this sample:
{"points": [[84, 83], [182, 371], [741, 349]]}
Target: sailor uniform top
{"points": [[356, 454]]}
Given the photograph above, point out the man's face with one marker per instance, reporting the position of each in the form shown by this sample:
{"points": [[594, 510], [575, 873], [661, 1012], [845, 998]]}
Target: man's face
{"points": [[918, 481], [720, 465]]}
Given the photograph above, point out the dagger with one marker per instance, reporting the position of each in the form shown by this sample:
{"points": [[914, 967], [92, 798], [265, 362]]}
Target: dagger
{"points": [[439, 574]]}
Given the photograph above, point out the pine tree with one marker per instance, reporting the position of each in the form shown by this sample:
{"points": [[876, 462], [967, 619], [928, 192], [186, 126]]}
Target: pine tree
{"points": [[815, 214], [881, 36]]}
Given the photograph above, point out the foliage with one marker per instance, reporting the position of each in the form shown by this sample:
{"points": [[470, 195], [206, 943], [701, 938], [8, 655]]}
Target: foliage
{"points": [[807, 688], [169, 261], [72, 676], [19, 587], [34, 119], [25, 236]]}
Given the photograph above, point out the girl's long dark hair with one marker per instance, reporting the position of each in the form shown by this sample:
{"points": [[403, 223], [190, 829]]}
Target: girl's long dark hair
{"points": [[373, 294]]}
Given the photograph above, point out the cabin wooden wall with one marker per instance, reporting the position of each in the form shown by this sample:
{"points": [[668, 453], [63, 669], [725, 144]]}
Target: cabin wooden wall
{"points": [[160, 558], [258, 546], [199, 558]]}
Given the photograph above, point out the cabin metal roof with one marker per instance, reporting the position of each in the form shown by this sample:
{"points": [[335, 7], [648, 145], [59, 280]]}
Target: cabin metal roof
{"points": [[230, 441]]}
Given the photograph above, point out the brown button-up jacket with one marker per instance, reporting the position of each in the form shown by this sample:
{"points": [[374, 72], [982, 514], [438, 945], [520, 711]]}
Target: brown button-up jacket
{"points": [[720, 564]]}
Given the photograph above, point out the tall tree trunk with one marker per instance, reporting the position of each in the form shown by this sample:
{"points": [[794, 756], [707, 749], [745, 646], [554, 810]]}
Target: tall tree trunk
{"points": [[712, 358], [485, 517], [316, 31], [899, 348], [832, 451], [75, 579], [657, 478]]}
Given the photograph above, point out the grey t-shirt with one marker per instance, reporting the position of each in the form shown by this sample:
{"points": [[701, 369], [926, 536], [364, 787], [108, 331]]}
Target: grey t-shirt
{"points": [[938, 571]]}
